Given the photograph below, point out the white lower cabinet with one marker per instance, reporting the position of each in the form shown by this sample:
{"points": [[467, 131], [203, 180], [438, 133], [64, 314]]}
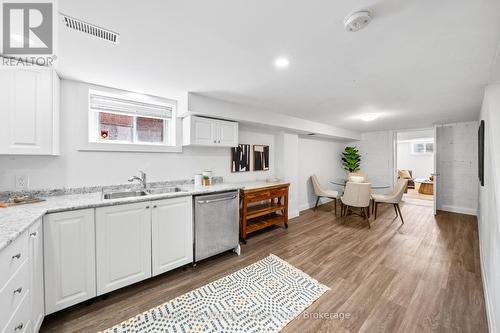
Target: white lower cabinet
{"points": [[69, 258], [123, 245], [21, 286], [36, 278], [20, 322], [172, 233], [14, 293], [73, 256]]}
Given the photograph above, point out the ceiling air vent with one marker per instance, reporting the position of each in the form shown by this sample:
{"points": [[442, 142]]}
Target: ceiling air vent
{"points": [[90, 29]]}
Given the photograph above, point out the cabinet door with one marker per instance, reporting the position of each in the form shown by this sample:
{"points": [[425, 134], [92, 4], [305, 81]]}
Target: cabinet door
{"points": [[123, 245], [172, 233], [29, 111], [69, 258], [36, 285], [203, 131], [227, 133]]}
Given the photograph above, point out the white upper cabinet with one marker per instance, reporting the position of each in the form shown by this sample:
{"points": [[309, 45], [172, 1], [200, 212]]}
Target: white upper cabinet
{"points": [[29, 109], [200, 131], [123, 245], [227, 133], [172, 233]]}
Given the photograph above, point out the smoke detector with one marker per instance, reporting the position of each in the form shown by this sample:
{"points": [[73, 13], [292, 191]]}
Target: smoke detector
{"points": [[357, 20], [90, 29]]}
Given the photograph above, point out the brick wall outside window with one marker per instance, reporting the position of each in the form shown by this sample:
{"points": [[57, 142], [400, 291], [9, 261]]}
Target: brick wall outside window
{"points": [[150, 129], [115, 119], [120, 128]]}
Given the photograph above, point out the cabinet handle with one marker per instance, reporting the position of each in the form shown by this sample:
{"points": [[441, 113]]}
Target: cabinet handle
{"points": [[34, 234], [18, 290], [19, 327], [215, 141], [154, 206], [16, 256]]}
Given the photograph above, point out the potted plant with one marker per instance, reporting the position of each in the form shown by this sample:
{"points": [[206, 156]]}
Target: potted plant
{"points": [[351, 159]]}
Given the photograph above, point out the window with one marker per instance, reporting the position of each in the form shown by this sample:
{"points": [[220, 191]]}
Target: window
{"points": [[419, 148], [122, 120]]}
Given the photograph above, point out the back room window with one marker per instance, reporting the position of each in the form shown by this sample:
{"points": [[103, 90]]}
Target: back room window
{"points": [[117, 119]]}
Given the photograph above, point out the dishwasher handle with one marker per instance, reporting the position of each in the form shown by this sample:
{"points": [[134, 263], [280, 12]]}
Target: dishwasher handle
{"points": [[216, 200]]}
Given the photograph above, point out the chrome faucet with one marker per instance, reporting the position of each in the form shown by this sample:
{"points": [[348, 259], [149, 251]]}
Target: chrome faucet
{"points": [[142, 179]]}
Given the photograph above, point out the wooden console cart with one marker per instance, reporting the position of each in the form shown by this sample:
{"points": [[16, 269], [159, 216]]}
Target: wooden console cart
{"points": [[262, 207]]}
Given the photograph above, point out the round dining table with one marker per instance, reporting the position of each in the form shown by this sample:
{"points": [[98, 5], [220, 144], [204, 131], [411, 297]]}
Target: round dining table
{"points": [[343, 181]]}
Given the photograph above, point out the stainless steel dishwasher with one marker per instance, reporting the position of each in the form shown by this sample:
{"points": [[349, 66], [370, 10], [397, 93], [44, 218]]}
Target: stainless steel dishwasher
{"points": [[216, 224]]}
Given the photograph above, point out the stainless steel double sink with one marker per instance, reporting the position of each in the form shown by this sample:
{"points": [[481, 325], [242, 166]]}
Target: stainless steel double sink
{"points": [[140, 193]]}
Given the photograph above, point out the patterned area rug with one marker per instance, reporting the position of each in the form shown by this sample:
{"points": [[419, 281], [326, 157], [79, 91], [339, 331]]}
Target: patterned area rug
{"points": [[262, 297]]}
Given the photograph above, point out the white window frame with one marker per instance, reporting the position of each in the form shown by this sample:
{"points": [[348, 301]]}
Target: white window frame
{"points": [[94, 143], [424, 143]]}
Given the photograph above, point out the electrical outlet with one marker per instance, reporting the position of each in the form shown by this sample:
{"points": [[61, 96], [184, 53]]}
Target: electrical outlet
{"points": [[22, 182]]}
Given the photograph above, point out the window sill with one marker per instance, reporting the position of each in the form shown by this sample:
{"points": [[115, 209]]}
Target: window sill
{"points": [[135, 148]]}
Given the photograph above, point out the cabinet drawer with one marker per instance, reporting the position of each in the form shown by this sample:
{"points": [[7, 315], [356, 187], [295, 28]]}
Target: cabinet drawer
{"points": [[12, 257], [20, 322], [279, 192], [258, 196], [265, 194], [13, 292]]}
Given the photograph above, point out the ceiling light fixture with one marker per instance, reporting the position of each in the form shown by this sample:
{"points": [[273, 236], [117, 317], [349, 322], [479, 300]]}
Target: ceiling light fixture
{"points": [[368, 116], [281, 62], [357, 20]]}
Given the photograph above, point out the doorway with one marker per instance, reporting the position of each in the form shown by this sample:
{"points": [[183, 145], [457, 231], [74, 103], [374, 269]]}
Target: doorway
{"points": [[415, 161]]}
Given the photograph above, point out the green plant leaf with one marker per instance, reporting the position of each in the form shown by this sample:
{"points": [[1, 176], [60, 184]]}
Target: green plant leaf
{"points": [[351, 159]]}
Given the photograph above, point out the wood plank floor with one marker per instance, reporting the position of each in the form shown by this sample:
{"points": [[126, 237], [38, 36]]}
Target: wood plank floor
{"points": [[418, 277]]}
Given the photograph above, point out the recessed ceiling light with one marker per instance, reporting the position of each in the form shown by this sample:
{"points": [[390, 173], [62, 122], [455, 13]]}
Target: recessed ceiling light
{"points": [[282, 62], [368, 116]]}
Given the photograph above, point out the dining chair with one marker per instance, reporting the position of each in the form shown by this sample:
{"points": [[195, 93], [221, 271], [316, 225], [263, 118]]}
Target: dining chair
{"points": [[393, 197], [323, 193], [357, 195], [357, 174]]}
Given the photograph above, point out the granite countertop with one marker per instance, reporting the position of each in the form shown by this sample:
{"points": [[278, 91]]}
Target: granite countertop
{"points": [[17, 219]]}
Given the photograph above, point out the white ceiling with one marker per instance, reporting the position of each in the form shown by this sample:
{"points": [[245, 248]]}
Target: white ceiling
{"points": [[417, 63]]}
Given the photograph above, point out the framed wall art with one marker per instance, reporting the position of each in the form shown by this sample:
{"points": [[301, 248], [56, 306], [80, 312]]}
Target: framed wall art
{"points": [[240, 158], [260, 158]]}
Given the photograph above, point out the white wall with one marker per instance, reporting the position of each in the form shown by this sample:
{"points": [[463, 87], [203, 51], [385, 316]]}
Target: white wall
{"points": [[377, 156], [489, 208], [75, 168], [292, 158], [322, 158], [421, 165], [199, 104], [287, 159], [457, 166]]}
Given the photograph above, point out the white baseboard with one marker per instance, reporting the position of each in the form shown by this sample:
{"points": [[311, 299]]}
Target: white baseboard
{"points": [[490, 314], [309, 205], [293, 213], [460, 210]]}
